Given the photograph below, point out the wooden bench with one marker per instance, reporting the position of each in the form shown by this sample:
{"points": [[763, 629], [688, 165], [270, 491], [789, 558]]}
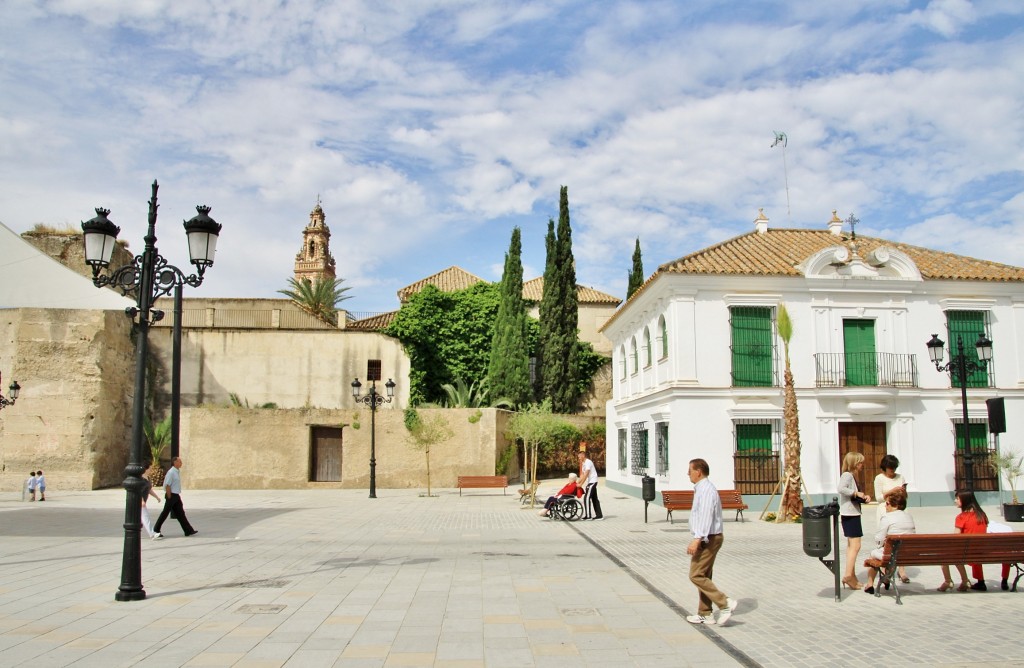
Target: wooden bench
{"points": [[683, 500], [482, 482], [937, 549]]}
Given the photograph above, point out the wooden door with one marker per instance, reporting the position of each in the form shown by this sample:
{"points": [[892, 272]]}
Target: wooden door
{"points": [[325, 451], [867, 438]]}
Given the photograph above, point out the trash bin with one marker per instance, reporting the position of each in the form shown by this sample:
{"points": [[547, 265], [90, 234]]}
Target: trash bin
{"points": [[648, 488], [817, 523]]}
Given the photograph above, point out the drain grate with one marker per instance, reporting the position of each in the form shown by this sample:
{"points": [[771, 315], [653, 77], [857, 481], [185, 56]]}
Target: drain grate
{"points": [[260, 609]]}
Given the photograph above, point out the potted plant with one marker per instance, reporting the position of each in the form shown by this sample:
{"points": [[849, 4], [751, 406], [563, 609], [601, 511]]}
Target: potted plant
{"points": [[1011, 465]]}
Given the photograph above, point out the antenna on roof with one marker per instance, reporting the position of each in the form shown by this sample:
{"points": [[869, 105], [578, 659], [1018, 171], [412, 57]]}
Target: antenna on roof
{"points": [[781, 138]]}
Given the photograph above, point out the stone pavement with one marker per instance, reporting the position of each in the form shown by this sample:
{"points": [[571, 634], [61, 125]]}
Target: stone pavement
{"points": [[329, 577]]}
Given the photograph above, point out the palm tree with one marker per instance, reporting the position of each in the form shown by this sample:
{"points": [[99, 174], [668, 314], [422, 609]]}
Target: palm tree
{"points": [[792, 503], [321, 298], [158, 436]]}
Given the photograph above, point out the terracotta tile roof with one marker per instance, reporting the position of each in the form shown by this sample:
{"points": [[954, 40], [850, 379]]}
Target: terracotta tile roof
{"points": [[448, 280], [533, 290], [373, 323], [778, 251]]}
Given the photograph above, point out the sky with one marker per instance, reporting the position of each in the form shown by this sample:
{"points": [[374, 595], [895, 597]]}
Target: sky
{"points": [[429, 129]]}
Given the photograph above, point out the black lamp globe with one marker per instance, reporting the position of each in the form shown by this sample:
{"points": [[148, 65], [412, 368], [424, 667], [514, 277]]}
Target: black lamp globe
{"points": [[100, 235]]}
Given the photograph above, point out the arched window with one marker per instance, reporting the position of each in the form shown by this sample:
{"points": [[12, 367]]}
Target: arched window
{"points": [[634, 355], [622, 362], [663, 328], [647, 347]]}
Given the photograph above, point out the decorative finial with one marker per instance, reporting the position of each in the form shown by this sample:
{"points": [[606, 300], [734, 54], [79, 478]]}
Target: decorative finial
{"points": [[853, 220]]}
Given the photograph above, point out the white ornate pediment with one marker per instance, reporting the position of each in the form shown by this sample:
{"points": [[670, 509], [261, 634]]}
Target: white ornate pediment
{"points": [[883, 263]]}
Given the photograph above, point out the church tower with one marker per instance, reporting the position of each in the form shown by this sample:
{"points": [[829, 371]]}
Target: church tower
{"points": [[314, 262]]}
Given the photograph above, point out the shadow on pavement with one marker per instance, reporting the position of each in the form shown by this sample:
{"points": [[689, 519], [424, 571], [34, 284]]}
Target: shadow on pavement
{"points": [[63, 522]]}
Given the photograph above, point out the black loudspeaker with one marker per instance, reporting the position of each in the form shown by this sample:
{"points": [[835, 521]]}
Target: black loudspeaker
{"points": [[996, 415]]}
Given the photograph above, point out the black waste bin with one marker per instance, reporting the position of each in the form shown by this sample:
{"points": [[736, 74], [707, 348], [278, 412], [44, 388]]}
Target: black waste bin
{"points": [[648, 488], [818, 529]]}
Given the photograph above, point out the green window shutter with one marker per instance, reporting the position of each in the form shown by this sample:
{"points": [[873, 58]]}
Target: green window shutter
{"points": [[859, 352], [752, 346], [753, 437], [978, 434], [623, 444], [967, 325]]}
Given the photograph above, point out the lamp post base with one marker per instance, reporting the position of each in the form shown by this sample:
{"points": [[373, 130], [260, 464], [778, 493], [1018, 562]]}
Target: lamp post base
{"points": [[130, 595]]}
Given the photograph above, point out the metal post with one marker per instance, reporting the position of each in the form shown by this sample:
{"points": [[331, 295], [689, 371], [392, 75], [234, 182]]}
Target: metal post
{"points": [[131, 558], [968, 455], [373, 439], [176, 374], [835, 541]]}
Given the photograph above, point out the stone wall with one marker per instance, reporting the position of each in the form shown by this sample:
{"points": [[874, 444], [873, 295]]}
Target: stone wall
{"points": [[239, 448], [74, 414], [306, 369]]}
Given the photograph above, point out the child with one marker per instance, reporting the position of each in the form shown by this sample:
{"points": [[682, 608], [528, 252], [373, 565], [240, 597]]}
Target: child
{"points": [[41, 485], [30, 486]]}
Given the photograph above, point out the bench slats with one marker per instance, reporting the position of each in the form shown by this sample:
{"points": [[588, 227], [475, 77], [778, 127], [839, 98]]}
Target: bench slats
{"points": [[482, 482], [948, 549], [682, 499]]}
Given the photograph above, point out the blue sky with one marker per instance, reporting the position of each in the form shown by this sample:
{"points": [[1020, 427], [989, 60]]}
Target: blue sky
{"points": [[430, 128]]}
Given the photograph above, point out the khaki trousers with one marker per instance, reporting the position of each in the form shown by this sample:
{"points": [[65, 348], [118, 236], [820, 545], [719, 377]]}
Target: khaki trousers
{"points": [[702, 565]]}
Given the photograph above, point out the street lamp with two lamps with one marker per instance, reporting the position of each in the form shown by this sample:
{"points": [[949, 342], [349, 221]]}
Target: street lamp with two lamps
{"points": [[960, 369], [373, 400], [146, 278]]}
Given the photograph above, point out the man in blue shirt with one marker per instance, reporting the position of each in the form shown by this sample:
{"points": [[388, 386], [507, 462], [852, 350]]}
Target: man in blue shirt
{"points": [[172, 494], [706, 527]]}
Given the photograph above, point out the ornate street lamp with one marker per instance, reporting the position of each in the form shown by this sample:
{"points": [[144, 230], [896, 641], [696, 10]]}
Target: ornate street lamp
{"points": [[13, 391], [373, 400], [147, 278], [960, 369]]}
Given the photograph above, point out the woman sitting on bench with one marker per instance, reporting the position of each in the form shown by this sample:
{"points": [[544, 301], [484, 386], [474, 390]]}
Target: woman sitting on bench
{"points": [[895, 521], [972, 519], [571, 489]]}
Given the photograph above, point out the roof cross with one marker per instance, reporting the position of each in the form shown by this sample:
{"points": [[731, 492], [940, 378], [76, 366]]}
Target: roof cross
{"points": [[853, 220]]}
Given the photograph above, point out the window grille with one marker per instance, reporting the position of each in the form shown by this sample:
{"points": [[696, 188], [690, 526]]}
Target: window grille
{"points": [[756, 462], [984, 474], [661, 447], [638, 448]]}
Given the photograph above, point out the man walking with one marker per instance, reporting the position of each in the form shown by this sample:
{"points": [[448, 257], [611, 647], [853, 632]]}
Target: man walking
{"points": [[588, 473], [172, 495], [706, 527]]}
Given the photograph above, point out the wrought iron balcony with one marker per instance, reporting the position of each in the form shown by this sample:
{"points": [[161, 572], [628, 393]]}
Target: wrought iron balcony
{"points": [[865, 370]]}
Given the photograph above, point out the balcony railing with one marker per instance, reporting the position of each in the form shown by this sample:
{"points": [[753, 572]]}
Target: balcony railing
{"points": [[865, 370]]}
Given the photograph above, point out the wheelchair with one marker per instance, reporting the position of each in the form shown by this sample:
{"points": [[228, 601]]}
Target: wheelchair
{"points": [[567, 508]]}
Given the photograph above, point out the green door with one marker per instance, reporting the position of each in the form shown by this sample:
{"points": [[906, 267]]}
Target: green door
{"points": [[752, 349], [859, 350]]}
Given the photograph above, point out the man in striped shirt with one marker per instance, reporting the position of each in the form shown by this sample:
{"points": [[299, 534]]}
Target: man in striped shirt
{"points": [[706, 527]]}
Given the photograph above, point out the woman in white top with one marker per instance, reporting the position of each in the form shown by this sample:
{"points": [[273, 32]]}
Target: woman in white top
{"points": [[885, 482], [896, 521]]}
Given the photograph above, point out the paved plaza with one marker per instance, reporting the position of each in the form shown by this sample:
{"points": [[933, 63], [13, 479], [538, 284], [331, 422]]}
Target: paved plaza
{"points": [[333, 578]]}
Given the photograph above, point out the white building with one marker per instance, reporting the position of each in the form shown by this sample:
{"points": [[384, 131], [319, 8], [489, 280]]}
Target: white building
{"points": [[698, 363]]}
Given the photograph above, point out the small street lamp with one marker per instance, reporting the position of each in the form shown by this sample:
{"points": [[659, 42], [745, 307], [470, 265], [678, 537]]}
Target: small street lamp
{"points": [[960, 369], [12, 396], [373, 400], [147, 278]]}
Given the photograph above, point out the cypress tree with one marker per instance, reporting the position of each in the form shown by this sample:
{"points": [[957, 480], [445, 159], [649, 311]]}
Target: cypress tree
{"points": [[561, 345], [509, 370], [548, 299], [636, 276]]}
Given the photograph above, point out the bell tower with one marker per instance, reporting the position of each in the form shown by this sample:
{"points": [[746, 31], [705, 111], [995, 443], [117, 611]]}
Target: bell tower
{"points": [[314, 261]]}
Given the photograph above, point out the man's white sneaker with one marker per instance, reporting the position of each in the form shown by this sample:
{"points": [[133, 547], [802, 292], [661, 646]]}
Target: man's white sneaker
{"points": [[725, 613], [158, 536], [701, 619]]}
